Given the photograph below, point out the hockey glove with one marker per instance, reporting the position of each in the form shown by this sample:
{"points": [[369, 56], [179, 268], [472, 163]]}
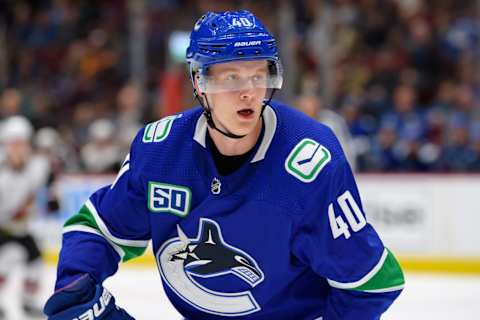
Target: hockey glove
{"points": [[84, 299]]}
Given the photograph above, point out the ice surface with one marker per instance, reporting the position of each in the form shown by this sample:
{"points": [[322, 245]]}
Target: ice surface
{"points": [[426, 296]]}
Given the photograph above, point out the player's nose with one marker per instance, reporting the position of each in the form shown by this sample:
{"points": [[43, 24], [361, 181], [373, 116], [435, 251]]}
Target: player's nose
{"points": [[247, 94]]}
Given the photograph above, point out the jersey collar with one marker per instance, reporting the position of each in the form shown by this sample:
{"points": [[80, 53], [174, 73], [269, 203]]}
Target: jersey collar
{"points": [[270, 120]]}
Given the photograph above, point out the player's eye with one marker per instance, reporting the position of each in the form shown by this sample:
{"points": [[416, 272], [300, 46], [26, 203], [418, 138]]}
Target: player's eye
{"points": [[231, 77], [258, 78]]}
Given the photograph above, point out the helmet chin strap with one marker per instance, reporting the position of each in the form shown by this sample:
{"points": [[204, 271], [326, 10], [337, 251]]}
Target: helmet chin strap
{"points": [[207, 111], [208, 114]]}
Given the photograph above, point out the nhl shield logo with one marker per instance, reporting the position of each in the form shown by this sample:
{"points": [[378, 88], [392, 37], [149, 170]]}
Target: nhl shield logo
{"points": [[216, 186], [182, 259]]}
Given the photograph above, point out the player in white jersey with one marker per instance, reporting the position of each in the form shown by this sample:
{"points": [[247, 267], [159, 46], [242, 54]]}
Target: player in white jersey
{"points": [[21, 176]]}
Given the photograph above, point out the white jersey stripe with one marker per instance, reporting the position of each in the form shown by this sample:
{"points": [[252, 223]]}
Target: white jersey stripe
{"points": [[81, 228], [391, 289], [368, 276], [106, 232]]}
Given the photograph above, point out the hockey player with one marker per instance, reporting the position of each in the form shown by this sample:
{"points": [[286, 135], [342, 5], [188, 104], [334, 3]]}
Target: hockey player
{"points": [[251, 207], [21, 176]]}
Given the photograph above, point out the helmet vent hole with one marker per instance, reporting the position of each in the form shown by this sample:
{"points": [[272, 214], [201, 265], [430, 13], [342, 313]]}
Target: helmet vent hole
{"points": [[214, 25]]}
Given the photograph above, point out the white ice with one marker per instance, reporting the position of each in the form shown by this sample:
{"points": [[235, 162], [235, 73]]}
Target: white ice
{"points": [[426, 296]]}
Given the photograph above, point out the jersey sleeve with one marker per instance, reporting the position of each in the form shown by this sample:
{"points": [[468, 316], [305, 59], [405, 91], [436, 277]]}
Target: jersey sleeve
{"points": [[113, 226], [338, 243]]}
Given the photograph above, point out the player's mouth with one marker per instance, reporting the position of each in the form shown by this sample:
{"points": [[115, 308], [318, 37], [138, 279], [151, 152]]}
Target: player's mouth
{"points": [[246, 113]]}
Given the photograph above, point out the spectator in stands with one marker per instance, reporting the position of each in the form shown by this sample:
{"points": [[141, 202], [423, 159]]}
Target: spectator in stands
{"points": [[10, 102], [383, 155], [456, 154], [72, 59], [475, 147]]}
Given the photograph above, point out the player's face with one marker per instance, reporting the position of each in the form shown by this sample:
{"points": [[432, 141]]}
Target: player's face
{"points": [[238, 104], [17, 152]]}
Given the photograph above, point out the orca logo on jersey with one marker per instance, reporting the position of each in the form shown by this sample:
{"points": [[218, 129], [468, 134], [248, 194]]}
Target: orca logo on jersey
{"points": [[181, 259]]}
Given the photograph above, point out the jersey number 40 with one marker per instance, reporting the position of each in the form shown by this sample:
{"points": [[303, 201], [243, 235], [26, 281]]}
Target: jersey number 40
{"points": [[351, 210]]}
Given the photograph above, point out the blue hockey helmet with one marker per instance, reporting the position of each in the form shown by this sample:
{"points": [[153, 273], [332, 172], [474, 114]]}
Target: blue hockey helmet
{"points": [[232, 36]]}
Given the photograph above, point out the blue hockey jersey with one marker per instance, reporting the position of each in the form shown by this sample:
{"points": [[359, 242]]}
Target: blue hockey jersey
{"points": [[282, 237]]}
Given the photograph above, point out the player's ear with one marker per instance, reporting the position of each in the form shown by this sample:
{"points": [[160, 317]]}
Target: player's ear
{"points": [[199, 91], [196, 86]]}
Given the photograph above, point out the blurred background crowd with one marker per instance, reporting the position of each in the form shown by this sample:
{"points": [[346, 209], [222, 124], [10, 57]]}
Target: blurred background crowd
{"points": [[398, 80]]}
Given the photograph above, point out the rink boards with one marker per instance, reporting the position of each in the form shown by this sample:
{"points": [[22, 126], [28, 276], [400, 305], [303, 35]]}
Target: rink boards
{"points": [[429, 221]]}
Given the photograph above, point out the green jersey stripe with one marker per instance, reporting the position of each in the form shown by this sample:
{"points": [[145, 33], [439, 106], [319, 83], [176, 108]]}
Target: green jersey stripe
{"points": [[400, 287], [368, 276], [88, 220], [386, 276], [389, 277]]}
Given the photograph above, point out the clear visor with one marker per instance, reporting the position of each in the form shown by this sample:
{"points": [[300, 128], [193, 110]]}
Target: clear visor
{"points": [[238, 80]]}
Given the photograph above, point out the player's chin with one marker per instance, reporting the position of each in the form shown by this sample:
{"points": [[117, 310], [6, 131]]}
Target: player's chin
{"points": [[243, 128]]}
